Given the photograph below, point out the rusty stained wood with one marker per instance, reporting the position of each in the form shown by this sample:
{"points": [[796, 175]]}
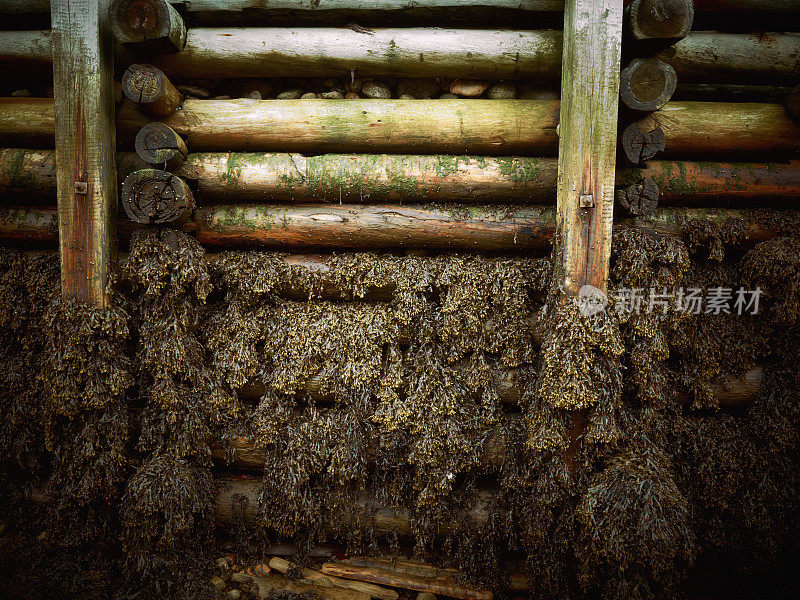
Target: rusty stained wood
{"points": [[85, 146], [587, 143]]}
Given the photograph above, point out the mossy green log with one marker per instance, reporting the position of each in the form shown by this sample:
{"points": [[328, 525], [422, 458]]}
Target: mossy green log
{"points": [[284, 177]]}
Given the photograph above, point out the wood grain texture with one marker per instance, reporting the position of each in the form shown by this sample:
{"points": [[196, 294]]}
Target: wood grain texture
{"points": [[321, 51], [737, 58], [720, 130], [84, 146], [200, 6], [491, 127], [355, 178], [373, 591], [355, 226], [352, 226], [435, 585], [587, 143]]}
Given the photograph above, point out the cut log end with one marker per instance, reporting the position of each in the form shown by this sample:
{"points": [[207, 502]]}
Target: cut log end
{"points": [[147, 25], [157, 144], [150, 88], [641, 143], [640, 199], [151, 196], [660, 19], [647, 84]]}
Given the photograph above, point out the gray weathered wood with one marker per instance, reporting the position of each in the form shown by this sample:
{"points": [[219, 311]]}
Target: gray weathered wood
{"points": [[587, 142], [321, 51], [83, 75]]}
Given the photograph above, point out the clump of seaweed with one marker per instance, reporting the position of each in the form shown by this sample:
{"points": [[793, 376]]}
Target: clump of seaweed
{"points": [[774, 266], [86, 373], [167, 511], [636, 538]]}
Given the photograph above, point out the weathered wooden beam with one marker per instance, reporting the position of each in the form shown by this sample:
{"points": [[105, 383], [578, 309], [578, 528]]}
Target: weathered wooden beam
{"points": [[83, 76], [358, 226], [147, 25], [700, 57], [214, 6], [248, 6], [587, 142], [326, 51], [659, 19], [706, 130], [377, 575], [737, 58], [259, 177], [457, 228]]}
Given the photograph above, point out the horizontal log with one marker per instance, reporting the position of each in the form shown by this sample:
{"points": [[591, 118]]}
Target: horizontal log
{"points": [[281, 177], [436, 585], [700, 57], [730, 92], [372, 227], [713, 57], [517, 581], [708, 130], [333, 51], [248, 6], [265, 586], [718, 182], [373, 591], [492, 127], [356, 226], [761, 6]]}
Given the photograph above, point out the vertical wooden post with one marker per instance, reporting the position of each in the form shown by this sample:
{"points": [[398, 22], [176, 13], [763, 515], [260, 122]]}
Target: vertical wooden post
{"points": [[83, 72], [587, 145], [587, 153]]}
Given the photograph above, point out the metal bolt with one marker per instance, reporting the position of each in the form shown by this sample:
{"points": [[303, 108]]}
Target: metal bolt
{"points": [[586, 201], [81, 187]]}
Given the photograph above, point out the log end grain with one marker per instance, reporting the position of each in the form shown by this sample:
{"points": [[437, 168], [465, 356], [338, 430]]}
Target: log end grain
{"points": [[150, 196], [157, 144], [647, 84], [660, 19], [641, 144], [147, 25]]}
